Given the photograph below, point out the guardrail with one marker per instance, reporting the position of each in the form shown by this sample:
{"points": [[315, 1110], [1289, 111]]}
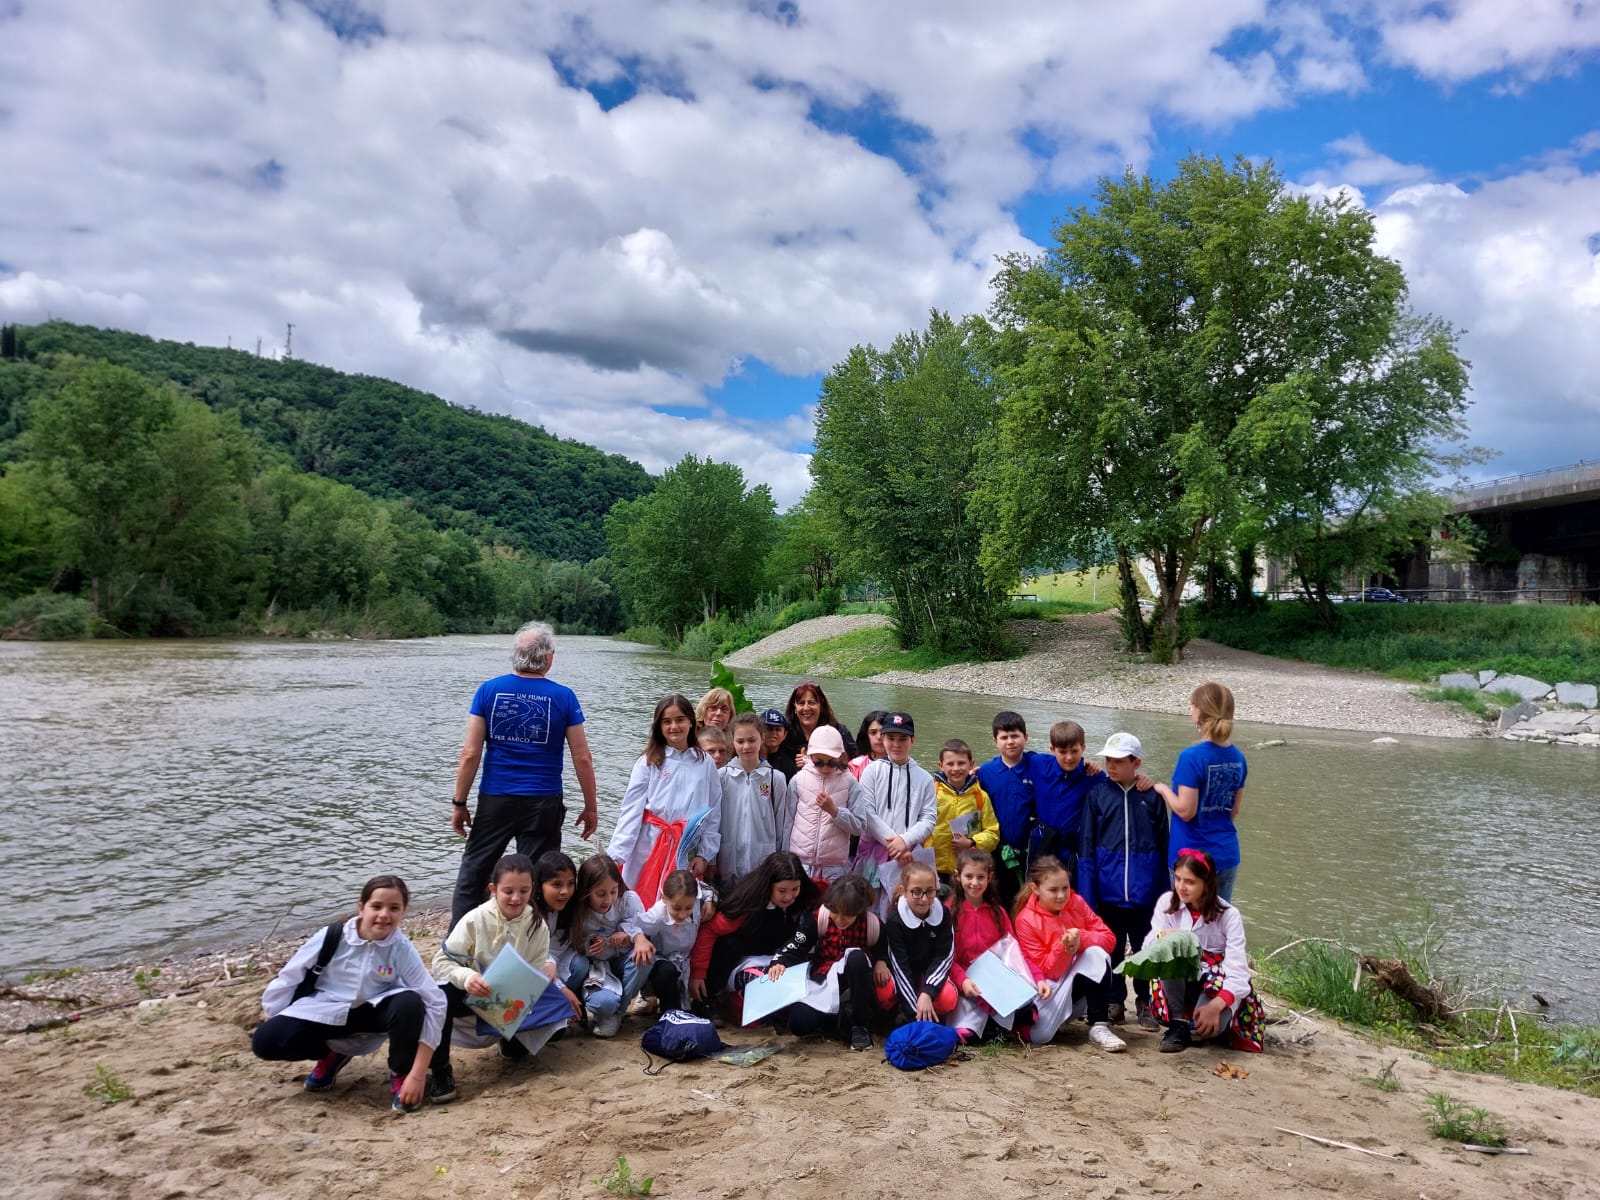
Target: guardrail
{"points": [[1468, 596]]}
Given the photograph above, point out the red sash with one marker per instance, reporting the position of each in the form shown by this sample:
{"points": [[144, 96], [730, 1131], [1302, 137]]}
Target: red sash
{"points": [[663, 859]]}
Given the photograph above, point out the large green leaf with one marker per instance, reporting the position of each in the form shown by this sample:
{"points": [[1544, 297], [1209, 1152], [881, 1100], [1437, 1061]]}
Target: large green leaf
{"points": [[1176, 956]]}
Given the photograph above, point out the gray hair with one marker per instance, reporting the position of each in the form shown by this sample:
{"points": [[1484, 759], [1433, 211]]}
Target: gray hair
{"points": [[536, 642]]}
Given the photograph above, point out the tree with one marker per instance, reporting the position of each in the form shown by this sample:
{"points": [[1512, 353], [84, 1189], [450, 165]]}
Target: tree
{"points": [[1201, 355], [693, 545], [806, 559], [146, 483], [899, 443]]}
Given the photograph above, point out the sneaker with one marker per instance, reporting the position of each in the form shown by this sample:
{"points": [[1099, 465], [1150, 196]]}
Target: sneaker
{"points": [[442, 1085], [512, 1049], [399, 1105], [321, 1077], [644, 1006], [606, 1024], [1146, 1018], [1175, 1039], [1118, 1012], [860, 1039], [1101, 1035]]}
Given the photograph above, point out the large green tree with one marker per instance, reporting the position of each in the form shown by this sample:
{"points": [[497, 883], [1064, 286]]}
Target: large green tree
{"points": [[1202, 355], [694, 545], [899, 445], [145, 486]]}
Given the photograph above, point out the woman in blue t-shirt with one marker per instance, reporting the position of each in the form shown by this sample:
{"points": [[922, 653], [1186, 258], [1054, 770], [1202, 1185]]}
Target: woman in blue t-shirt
{"points": [[1209, 783]]}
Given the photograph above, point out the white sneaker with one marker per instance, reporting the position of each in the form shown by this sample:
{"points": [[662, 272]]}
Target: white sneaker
{"points": [[643, 1006], [1100, 1034], [607, 1024]]}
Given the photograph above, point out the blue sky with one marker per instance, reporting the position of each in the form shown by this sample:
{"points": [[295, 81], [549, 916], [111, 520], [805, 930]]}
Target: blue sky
{"points": [[654, 224]]}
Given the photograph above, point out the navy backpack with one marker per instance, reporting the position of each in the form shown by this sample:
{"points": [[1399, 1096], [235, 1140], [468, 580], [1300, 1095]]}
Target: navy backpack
{"points": [[677, 1037]]}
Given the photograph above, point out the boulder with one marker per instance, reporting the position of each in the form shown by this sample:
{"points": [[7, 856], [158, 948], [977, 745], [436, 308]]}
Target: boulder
{"points": [[1386, 741], [1517, 714], [1485, 678], [1585, 694], [1528, 689], [1459, 679]]}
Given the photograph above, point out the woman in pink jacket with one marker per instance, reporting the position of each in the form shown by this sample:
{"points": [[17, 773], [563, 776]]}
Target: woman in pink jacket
{"points": [[1068, 949]]}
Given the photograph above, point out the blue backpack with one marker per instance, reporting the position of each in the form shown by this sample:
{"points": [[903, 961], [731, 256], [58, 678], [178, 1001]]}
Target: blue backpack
{"points": [[677, 1037], [920, 1044]]}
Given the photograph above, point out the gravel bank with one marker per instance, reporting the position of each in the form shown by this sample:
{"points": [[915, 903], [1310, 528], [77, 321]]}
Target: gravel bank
{"points": [[802, 633], [1078, 661]]}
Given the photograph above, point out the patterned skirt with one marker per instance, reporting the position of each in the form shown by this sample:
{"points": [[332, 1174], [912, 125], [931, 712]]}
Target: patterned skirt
{"points": [[1247, 1030]]}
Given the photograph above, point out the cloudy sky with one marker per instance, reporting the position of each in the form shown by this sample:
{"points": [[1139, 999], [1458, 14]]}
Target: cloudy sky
{"points": [[653, 224]]}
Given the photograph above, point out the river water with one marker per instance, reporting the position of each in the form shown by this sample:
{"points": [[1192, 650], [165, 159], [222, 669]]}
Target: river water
{"points": [[170, 795]]}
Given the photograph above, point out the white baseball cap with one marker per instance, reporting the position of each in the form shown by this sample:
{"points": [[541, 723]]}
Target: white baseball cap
{"points": [[1122, 745]]}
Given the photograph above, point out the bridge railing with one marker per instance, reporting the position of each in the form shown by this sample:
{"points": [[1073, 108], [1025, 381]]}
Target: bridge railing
{"points": [[1469, 596]]}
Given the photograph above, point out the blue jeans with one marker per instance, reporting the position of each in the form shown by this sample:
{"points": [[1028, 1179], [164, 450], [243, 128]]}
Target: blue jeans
{"points": [[1225, 881], [602, 1001]]}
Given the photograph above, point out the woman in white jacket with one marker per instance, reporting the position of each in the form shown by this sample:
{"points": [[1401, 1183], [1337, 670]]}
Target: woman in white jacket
{"points": [[373, 983], [674, 785]]}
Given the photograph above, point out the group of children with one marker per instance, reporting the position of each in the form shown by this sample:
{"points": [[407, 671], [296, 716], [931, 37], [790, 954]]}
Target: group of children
{"points": [[885, 884]]}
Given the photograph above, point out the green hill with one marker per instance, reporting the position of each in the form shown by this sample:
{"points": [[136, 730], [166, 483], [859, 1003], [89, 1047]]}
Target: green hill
{"points": [[494, 477]]}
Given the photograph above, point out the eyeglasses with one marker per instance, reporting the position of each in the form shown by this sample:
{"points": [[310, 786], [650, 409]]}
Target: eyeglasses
{"points": [[826, 764], [922, 893]]}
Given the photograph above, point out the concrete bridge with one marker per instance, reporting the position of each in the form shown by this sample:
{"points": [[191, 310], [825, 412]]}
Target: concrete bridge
{"points": [[1542, 532]]}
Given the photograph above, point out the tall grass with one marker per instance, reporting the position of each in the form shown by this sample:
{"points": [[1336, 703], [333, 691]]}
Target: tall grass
{"points": [[1420, 641]]}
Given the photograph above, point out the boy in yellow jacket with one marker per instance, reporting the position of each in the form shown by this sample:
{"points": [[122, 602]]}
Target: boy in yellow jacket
{"points": [[962, 800]]}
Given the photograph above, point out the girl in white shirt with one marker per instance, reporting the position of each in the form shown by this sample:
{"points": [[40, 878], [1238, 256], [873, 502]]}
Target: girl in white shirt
{"points": [[374, 983], [670, 928], [674, 796]]}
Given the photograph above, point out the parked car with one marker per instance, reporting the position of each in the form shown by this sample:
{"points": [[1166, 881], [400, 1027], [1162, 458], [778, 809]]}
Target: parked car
{"points": [[1380, 596]]}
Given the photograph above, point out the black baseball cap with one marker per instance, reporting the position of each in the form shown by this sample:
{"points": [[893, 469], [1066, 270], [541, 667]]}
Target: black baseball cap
{"points": [[900, 722]]}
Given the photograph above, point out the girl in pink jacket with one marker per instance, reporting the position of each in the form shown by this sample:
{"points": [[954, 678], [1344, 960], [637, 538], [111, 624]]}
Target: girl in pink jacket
{"points": [[829, 807]]}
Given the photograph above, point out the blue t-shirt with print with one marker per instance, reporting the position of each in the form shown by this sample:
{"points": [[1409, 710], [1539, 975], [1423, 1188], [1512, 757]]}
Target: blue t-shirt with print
{"points": [[527, 721], [1216, 772]]}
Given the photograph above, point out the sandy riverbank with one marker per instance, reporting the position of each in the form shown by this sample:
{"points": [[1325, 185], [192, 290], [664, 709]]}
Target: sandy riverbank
{"points": [[206, 1119], [1078, 660]]}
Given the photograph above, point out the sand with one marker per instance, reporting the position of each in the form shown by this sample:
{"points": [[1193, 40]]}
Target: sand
{"points": [[207, 1119]]}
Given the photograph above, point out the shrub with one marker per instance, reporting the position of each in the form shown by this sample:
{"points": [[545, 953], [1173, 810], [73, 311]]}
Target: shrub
{"points": [[47, 617]]}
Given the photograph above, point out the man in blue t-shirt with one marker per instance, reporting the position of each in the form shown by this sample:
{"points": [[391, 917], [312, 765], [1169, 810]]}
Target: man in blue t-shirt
{"points": [[518, 728]]}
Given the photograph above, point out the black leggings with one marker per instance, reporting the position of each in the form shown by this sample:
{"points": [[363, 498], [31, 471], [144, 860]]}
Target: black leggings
{"points": [[858, 1000], [293, 1039], [666, 981]]}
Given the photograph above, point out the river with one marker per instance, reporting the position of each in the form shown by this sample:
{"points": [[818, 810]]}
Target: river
{"points": [[166, 795]]}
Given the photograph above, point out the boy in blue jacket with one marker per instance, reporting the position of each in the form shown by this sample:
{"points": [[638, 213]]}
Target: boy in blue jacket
{"points": [[1122, 863]]}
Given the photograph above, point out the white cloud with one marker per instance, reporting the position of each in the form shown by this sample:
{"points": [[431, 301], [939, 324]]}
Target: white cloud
{"points": [[1456, 40], [1513, 264], [429, 198]]}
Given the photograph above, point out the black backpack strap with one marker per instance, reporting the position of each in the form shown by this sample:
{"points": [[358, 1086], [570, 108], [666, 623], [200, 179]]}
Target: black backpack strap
{"points": [[650, 1067], [330, 946]]}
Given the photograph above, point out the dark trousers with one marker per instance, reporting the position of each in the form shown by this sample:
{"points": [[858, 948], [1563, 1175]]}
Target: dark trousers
{"points": [[666, 981], [1183, 995], [1130, 926], [858, 1000], [292, 1039], [535, 822], [1097, 995]]}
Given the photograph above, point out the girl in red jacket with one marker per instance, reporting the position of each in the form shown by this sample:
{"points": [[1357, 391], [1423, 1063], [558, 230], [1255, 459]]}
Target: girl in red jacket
{"points": [[1068, 948]]}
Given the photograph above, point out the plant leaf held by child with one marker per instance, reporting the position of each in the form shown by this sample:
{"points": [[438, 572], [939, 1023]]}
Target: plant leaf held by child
{"points": [[722, 677], [1176, 956]]}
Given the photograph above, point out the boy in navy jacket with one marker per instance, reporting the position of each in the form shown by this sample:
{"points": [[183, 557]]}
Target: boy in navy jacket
{"points": [[1122, 863]]}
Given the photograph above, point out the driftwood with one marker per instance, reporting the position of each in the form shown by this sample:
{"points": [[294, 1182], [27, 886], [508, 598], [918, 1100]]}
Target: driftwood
{"points": [[1476, 1149], [1321, 1141], [1393, 975]]}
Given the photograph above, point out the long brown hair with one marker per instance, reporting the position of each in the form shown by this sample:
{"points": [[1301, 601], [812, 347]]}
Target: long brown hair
{"points": [[655, 749], [1038, 871], [824, 717], [1203, 867], [974, 857]]}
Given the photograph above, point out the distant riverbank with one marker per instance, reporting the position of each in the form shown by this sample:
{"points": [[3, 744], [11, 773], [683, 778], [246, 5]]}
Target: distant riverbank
{"points": [[1079, 660]]}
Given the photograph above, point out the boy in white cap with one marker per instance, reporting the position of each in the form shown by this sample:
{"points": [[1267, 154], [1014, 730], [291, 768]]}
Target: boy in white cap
{"points": [[1122, 860]]}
